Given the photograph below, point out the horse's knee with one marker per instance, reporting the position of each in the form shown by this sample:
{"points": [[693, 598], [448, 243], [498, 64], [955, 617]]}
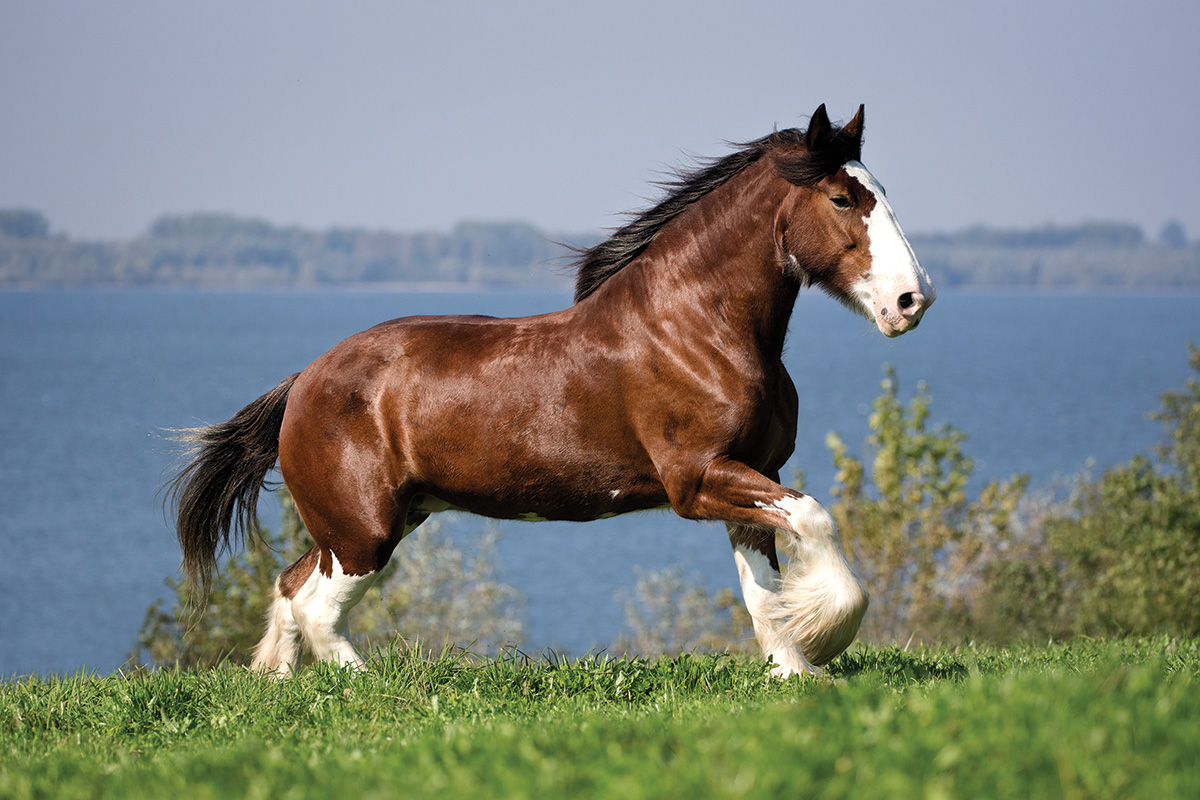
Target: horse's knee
{"points": [[806, 517]]}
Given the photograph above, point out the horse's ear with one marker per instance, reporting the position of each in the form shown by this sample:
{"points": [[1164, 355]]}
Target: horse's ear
{"points": [[820, 132], [854, 128]]}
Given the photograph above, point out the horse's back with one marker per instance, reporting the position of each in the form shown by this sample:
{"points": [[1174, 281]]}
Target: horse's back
{"points": [[503, 417]]}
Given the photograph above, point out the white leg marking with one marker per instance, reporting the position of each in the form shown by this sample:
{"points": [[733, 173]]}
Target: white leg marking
{"points": [[321, 607], [760, 587], [279, 650], [820, 602]]}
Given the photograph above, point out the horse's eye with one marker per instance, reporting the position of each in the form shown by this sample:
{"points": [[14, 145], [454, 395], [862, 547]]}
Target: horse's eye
{"points": [[841, 201]]}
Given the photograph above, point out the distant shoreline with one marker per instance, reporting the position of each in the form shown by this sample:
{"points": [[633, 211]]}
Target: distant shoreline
{"points": [[215, 251]]}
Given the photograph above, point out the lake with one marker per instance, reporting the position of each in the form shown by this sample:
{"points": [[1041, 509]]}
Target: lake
{"points": [[1041, 383]]}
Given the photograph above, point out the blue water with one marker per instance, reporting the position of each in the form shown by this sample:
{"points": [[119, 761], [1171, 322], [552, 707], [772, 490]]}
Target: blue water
{"points": [[1041, 383]]}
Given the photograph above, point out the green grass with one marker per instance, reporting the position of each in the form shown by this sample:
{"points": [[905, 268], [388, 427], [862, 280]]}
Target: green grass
{"points": [[1087, 719]]}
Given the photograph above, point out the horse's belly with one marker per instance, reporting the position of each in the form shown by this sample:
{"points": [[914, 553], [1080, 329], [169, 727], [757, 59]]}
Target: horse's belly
{"points": [[545, 498]]}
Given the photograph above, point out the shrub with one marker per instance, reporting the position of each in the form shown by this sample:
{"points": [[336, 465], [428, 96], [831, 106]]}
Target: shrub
{"points": [[432, 592], [1131, 549], [668, 613], [923, 548]]}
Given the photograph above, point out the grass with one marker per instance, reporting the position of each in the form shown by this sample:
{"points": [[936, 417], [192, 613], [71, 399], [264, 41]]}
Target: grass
{"points": [[1086, 719]]}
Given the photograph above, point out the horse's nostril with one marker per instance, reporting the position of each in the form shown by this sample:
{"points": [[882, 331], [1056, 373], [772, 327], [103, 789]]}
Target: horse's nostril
{"points": [[906, 301]]}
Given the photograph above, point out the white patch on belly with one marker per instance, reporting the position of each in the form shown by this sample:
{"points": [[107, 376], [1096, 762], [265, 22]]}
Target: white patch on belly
{"points": [[428, 504]]}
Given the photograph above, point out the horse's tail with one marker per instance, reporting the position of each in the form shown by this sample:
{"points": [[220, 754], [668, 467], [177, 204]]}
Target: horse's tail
{"points": [[215, 494]]}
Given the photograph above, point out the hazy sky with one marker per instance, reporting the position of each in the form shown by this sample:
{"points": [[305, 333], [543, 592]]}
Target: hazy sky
{"points": [[414, 115]]}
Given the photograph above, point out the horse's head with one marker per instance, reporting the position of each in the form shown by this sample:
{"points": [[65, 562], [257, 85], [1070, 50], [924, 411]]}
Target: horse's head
{"points": [[839, 231]]}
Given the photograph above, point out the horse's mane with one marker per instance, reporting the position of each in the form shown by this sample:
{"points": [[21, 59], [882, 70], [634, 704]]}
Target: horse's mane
{"points": [[803, 167]]}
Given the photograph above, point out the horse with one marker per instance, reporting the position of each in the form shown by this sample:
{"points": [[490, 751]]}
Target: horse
{"points": [[660, 385]]}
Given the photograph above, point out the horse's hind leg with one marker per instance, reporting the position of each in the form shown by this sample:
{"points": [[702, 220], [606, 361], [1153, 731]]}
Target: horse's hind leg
{"points": [[327, 583], [351, 494], [279, 649], [321, 607]]}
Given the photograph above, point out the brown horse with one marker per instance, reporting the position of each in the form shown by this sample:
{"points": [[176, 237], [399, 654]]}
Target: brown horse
{"points": [[661, 385]]}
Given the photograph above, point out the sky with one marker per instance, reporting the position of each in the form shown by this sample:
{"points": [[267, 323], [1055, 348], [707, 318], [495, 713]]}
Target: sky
{"points": [[412, 116]]}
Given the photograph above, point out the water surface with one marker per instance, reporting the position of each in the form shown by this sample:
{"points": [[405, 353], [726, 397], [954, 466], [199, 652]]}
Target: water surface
{"points": [[89, 379]]}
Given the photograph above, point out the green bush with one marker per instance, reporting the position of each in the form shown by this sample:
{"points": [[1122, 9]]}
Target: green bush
{"points": [[668, 613], [1122, 556], [432, 592], [1131, 548], [922, 546]]}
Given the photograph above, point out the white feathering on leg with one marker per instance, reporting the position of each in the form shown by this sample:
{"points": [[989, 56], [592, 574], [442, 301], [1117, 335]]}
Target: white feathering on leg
{"points": [[760, 585], [320, 608], [279, 650], [820, 602]]}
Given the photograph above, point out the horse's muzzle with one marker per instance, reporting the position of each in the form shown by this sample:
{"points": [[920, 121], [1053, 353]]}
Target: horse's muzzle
{"points": [[904, 311]]}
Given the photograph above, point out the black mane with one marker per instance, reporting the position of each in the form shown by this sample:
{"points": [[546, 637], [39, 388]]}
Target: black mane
{"points": [[804, 167]]}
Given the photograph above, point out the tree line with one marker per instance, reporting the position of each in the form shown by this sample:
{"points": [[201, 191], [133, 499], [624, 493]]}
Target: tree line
{"points": [[1086, 256], [222, 250]]}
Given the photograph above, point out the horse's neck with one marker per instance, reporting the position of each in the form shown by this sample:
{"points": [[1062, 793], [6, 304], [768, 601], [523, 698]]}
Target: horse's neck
{"points": [[719, 263]]}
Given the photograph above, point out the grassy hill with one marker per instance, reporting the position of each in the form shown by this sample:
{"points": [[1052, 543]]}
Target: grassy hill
{"points": [[1088, 719]]}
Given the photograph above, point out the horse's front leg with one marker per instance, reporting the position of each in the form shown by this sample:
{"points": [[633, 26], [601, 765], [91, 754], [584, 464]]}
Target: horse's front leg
{"points": [[809, 616], [758, 573]]}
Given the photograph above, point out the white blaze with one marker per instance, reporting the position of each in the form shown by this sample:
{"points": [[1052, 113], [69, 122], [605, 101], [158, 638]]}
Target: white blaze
{"points": [[894, 267]]}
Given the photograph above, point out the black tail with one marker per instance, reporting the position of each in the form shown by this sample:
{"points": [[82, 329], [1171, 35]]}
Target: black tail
{"points": [[215, 495]]}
